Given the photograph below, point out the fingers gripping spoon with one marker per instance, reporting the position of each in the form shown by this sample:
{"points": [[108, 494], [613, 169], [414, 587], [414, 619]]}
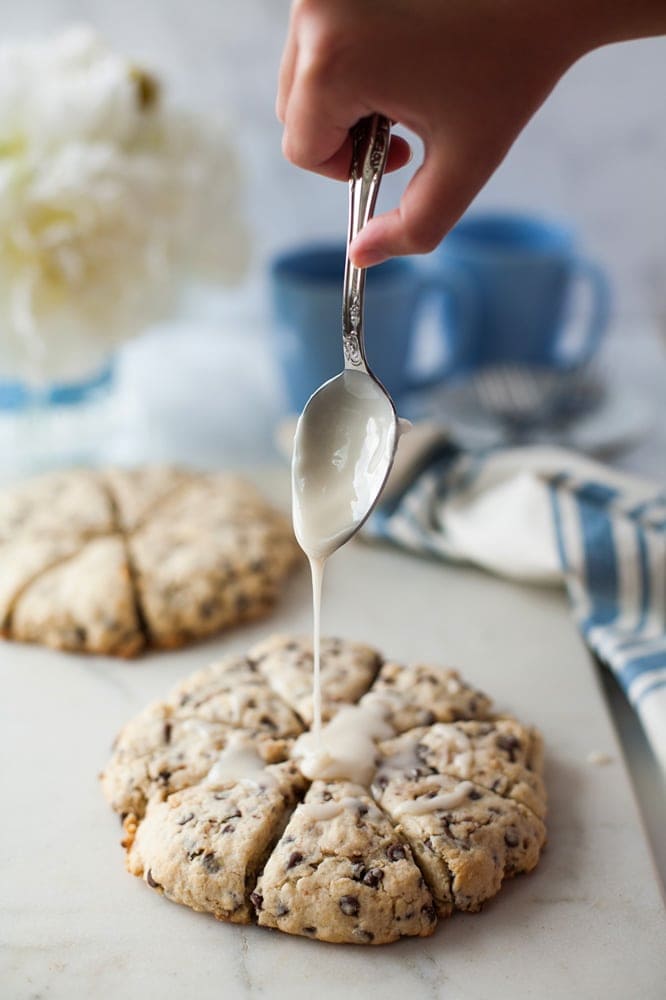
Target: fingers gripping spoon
{"points": [[347, 435]]}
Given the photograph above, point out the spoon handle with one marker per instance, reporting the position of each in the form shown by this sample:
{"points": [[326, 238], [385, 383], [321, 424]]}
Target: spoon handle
{"points": [[370, 143]]}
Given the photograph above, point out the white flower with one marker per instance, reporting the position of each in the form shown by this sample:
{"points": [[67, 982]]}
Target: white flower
{"points": [[108, 202]]}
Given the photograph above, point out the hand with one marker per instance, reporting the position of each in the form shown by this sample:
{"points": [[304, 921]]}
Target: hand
{"points": [[464, 75]]}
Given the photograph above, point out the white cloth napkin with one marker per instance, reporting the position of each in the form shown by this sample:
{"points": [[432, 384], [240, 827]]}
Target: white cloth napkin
{"points": [[547, 516]]}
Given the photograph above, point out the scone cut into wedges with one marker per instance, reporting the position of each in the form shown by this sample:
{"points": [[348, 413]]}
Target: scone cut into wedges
{"points": [[120, 560], [218, 816]]}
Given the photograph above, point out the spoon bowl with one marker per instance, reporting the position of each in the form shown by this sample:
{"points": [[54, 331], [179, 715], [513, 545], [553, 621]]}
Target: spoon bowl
{"points": [[344, 447]]}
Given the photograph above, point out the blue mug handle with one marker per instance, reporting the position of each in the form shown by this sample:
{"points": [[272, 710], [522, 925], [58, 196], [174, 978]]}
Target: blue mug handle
{"points": [[590, 272], [449, 280]]}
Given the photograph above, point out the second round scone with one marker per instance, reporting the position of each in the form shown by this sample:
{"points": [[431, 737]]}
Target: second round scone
{"points": [[121, 560]]}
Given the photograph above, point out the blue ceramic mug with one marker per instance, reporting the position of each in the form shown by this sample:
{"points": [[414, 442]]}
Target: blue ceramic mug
{"points": [[523, 270], [306, 290]]}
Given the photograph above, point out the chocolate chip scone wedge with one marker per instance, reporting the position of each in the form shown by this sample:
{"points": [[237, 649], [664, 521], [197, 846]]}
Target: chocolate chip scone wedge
{"points": [[137, 493], [234, 692], [347, 671], [173, 744], [85, 602], [502, 755], [157, 754], [214, 554], [204, 846], [341, 873], [420, 694], [74, 503], [45, 522], [466, 837]]}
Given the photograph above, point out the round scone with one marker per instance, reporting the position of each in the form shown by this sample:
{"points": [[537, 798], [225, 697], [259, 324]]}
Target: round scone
{"points": [[120, 560], [218, 815]]}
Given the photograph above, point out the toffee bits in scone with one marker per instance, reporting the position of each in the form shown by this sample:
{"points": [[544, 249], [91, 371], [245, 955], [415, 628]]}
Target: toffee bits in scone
{"points": [[218, 816], [121, 560]]}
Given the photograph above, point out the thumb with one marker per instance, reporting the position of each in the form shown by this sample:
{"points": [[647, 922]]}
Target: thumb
{"points": [[436, 196]]}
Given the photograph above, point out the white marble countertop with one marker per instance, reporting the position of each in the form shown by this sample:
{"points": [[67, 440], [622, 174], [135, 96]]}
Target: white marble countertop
{"points": [[588, 922]]}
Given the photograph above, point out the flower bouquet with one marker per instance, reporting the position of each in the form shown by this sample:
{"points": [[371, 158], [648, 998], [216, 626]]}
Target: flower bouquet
{"points": [[109, 202]]}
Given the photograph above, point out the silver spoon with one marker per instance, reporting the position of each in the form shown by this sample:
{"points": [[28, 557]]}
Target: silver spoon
{"points": [[347, 435]]}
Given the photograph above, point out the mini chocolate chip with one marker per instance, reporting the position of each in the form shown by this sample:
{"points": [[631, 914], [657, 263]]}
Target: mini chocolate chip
{"points": [[358, 871], [362, 809], [257, 900], [167, 732], [508, 743], [511, 838], [151, 881], [396, 852], [428, 843], [210, 863], [195, 854], [186, 819], [294, 859], [326, 797], [373, 877], [266, 720], [164, 776], [228, 828], [349, 905], [429, 911], [382, 781], [281, 910], [474, 794]]}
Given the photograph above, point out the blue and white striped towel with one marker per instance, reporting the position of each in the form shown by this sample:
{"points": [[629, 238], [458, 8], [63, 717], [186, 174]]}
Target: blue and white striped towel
{"points": [[546, 515]]}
